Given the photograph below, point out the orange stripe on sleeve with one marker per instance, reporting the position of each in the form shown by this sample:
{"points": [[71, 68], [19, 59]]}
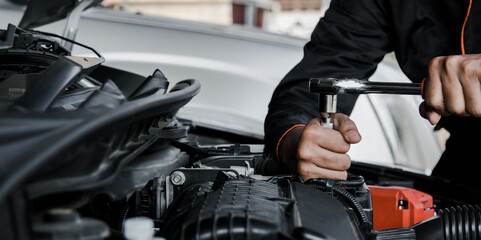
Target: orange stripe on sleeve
{"points": [[422, 87], [280, 139], [464, 25]]}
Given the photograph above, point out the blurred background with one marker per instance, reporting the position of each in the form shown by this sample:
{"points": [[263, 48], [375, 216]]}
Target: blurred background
{"points": [[296, 18]]}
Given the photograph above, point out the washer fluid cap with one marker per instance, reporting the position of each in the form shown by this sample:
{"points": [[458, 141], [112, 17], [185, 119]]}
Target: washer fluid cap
{"points": [[139, 228]]}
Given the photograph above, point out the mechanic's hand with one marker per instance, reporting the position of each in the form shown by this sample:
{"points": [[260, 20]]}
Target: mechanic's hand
{"points": [[318, 152], [453, 87]]}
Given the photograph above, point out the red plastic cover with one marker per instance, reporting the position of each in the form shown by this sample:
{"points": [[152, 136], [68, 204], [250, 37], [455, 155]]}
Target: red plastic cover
{"points": [[396, 207]]}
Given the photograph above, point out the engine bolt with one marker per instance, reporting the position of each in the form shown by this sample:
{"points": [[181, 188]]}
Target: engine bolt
{"points": [[177, 178]]}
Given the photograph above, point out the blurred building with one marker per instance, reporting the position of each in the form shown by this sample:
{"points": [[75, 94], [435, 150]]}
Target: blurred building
{"points": [[290, 5], [292, 17], [296, 17], [210, 11]]}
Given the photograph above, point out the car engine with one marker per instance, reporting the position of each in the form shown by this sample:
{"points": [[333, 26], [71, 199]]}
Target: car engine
{"points": [[94, 152]]}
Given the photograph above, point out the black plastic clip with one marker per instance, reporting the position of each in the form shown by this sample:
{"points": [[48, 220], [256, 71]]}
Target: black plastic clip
{"points": [[9, 38], [329, 185]]}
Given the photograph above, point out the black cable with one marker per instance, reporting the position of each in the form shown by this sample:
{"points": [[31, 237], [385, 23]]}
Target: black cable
{"points": [[356, 206], [72, 41], [352, 181], [320, 184]]}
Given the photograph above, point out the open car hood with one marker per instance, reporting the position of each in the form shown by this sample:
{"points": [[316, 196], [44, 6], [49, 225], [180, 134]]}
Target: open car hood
{"points": [[41, 12]]}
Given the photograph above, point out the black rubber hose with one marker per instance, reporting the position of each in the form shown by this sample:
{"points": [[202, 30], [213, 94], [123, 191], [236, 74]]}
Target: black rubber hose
{"points": [[351, 200], [352, 181], [123, 217], [347, 197], [462, 222]]}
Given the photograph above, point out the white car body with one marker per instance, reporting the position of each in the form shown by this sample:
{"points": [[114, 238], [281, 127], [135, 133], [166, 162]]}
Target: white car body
{"points": [[238, 69]]}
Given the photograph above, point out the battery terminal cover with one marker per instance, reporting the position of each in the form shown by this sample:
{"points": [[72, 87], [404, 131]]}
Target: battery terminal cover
{"points": [[397, 207]]}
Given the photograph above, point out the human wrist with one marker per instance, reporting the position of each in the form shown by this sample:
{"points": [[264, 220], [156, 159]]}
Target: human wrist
{"points": [[287, 146]]}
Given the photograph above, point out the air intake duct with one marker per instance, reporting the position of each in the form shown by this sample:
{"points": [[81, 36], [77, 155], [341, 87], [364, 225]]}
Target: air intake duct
{"points": [[453, 223], [462, 222]]}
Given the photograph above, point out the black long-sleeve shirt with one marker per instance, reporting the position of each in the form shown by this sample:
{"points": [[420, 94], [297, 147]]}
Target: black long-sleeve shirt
{"points": [[353, 37]]}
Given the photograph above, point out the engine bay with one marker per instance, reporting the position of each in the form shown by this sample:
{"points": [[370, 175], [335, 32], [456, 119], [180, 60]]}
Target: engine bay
{"points": [[223, 196], [89, 149]]}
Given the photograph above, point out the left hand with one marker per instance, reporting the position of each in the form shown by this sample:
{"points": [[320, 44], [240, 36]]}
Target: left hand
{"points": [[315, 151], [453, 87]]}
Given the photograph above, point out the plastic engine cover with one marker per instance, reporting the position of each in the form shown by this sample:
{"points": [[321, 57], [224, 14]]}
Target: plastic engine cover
{"points": [[253, 209]]}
